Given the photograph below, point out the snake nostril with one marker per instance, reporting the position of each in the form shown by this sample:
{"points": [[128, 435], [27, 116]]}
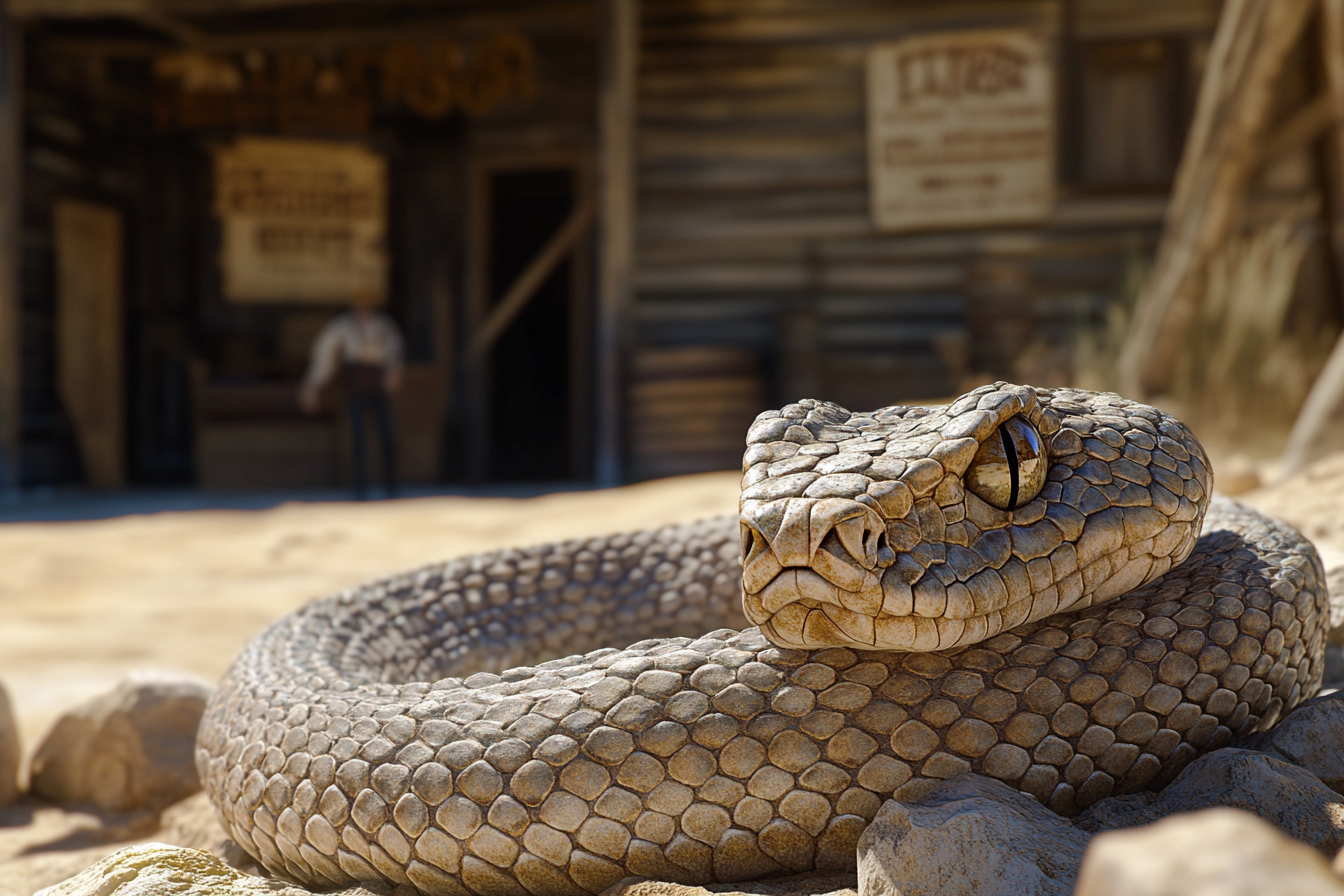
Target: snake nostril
{"points": [[886, 555], [752, 541]]}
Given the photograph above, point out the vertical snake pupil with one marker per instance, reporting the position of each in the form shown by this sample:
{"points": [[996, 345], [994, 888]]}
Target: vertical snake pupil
{"points": [[1009, 468], [1010, 452]]}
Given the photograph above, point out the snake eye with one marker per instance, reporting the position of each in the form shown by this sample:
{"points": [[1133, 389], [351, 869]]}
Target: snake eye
{"points": [[1009, 469]]}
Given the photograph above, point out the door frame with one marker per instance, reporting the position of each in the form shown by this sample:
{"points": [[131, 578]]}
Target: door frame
{"points": [[482, 165]]}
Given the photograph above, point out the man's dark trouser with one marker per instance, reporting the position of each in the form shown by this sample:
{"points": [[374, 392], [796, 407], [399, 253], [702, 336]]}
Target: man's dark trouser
{"points": [[363, 401]]}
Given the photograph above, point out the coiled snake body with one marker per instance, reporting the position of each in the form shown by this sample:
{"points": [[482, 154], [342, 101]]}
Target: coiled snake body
{"points": [[1014, 585]]}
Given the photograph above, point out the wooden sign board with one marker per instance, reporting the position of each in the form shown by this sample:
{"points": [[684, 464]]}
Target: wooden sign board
{"points": [[961, 130], [302, 221]]}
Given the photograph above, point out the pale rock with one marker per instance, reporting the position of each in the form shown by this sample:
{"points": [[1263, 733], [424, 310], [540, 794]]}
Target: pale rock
{"points": [[194, 823], [9, 750], [1310, 736], [131, 748], [817, 883], [1333, 679], [1334, 586], [970, 836], [1214, 852], [1288, 797], [156, 869]]}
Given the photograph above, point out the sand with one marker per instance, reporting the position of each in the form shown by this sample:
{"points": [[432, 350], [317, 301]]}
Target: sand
{"points": [[84, 603]]}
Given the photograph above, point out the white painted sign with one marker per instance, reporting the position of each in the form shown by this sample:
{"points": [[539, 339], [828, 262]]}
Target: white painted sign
{"points": [[961, 130], [303, 221]]}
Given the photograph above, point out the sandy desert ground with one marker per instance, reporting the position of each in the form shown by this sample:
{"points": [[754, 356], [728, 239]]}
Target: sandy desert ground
{"points": [[83, 603]]}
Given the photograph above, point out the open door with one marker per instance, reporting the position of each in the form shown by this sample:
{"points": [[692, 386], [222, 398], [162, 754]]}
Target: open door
{"points": [[89, 335], [532, 317]]}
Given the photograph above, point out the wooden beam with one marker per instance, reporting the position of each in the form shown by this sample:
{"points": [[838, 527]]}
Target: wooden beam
{"points": [[616, 223], [1327, 392], [89, 322], [75, 9], [1305, 125], [1332, 57], [97, 9], [1319, 409], [446, 20], [1253, 40], [533, 276], [11, 200]]}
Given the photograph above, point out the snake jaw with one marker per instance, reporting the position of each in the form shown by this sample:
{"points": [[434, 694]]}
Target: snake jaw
{"points": [[815, 567]]}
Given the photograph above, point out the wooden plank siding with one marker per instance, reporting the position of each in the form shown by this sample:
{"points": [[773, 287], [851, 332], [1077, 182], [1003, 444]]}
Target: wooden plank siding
{"points": [[753, 210], [88, 103]]}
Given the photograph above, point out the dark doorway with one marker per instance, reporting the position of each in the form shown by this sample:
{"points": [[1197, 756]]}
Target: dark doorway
{"points": [[531, 397]]}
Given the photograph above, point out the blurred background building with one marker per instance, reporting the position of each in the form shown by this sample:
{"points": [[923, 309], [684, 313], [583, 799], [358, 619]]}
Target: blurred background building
{"points": [[611, 231]]}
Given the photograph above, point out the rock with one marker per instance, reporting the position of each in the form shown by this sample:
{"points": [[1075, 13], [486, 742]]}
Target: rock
{"points": [[1215, 852], [1334, 586], [9, 750], [193, 823], [1288, 797], [156, 869], [1310, 736], [970, 836], [819, 883], [1334, 668], [132, 748]]}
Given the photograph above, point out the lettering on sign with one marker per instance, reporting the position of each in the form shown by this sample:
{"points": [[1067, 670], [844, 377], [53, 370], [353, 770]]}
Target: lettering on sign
{"points": [[302, 221], [294, 91], [961, 130]]}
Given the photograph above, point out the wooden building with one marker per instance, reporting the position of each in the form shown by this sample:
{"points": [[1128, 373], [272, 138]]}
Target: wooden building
{"points": [[611, 230]]}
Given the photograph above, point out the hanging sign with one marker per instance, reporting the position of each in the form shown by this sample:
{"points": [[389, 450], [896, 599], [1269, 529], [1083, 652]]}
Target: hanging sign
{"points": [[302, 221], [961, 130], [298, 92]]}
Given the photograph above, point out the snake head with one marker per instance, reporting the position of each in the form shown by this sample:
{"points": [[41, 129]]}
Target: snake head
{"points": [[920, 529]]}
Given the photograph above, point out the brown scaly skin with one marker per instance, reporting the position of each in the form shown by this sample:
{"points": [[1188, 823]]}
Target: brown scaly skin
{"points": [[727, 757]]}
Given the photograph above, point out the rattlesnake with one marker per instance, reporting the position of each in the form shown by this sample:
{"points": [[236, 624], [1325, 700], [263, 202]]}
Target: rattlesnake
{"points": [[1013, 585]]}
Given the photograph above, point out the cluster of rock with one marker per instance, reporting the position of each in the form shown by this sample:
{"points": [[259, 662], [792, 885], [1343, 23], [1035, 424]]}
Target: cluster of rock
{"points": [[127, 750], [1262, 816]]}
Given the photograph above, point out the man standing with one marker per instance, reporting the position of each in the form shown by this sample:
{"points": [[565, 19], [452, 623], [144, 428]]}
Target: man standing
{"points": [[366, 346]]}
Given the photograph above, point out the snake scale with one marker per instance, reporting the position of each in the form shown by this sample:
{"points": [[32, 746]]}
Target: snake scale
{"points": [[1014, 585]]}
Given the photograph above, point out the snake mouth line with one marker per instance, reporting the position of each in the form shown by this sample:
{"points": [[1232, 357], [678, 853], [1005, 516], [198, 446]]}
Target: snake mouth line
{"points": [[796, 591], [800, 608], [806, 587]]}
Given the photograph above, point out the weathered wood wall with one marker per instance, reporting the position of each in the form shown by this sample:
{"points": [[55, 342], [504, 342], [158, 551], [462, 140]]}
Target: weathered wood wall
{"points": [[754, 225], [90, 132]]}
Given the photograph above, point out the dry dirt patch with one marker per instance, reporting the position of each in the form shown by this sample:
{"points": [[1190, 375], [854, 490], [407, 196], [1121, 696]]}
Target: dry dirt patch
{"points": [[85, 602]]}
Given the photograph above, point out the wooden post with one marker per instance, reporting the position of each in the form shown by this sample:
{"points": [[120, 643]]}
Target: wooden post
{"points": [[1327, 392], [11, 222], [89, 313], [1253, 40], [1332, 58], [616, 222]]}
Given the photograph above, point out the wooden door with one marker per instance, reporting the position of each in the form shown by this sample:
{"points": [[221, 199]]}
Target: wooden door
{"points": [[529, 412], [89, 335]]}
